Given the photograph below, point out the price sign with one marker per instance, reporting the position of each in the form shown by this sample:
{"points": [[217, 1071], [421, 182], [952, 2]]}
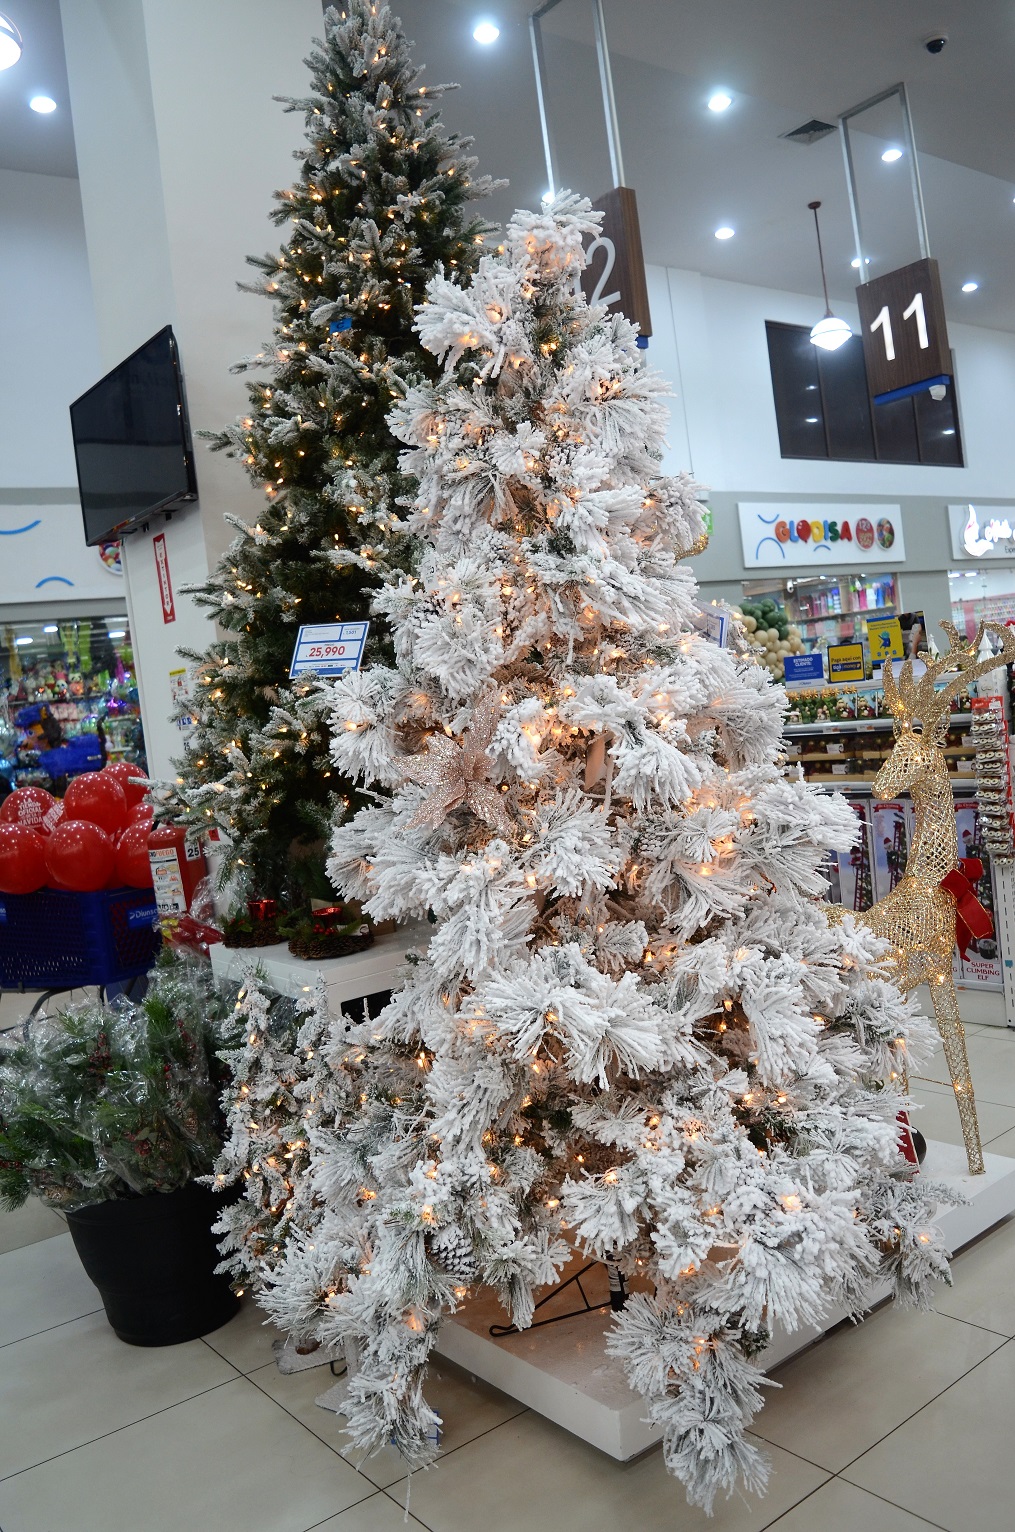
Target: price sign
{"points": [[615, 274], [905, 335], [329, 648]]}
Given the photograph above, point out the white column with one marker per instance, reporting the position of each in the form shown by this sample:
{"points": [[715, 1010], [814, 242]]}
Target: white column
{"points": [[180, 147]]}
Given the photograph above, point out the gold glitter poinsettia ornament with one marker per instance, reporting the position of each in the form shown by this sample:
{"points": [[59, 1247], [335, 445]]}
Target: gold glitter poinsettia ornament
{"points": [[459, 774]]}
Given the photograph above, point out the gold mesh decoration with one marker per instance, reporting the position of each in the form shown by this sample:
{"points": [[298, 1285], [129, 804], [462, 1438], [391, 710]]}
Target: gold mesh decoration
{"points": [[918, 916]]}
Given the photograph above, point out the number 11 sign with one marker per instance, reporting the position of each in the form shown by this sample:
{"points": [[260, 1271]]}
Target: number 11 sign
{"points": [[905, 337]]}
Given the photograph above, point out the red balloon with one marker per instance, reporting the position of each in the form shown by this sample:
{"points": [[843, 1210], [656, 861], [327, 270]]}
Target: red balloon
{"points": [[123, 771], [99, 798], [132, 864], [33, 807], [22, 859], [80, 856], [143, 814]]}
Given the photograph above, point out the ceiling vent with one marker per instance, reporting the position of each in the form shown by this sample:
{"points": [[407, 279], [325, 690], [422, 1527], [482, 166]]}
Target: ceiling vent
{"points": [[810, 132]]}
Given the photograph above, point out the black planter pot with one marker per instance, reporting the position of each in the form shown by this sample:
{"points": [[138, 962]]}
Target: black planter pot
{"points": [[153, 1261]]}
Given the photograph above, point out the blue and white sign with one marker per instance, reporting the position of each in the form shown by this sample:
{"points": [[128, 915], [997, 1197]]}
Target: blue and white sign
{"points": [[713, 624], [803, 667], [329, 648]]}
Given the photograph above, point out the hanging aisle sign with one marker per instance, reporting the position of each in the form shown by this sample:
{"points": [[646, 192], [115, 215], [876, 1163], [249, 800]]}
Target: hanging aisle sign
{"points": [[615, 274], [905, 336], [776, 533], [329, 648]]}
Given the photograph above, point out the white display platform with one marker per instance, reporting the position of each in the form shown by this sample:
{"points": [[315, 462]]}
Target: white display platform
{"points": [[562, 1370], [380, 967]]}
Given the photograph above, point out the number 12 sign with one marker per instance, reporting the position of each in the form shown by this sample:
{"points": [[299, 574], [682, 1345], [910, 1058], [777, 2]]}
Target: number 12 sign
{"points": [[905, 336], [329, 648]]}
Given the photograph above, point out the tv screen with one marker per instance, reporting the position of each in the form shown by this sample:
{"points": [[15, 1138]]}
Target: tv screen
{"points": [[132, 443]]}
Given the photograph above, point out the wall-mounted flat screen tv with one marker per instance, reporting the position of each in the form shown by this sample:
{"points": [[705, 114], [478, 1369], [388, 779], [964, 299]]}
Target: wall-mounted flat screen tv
{"points": [[132, 441]]}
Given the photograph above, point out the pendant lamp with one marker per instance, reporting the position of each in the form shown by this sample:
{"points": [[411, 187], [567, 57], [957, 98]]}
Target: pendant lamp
{"points": [[829, 333], [10, 43]]}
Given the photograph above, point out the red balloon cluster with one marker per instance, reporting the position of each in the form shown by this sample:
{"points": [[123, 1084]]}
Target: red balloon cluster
{"points": [[96, 838]]}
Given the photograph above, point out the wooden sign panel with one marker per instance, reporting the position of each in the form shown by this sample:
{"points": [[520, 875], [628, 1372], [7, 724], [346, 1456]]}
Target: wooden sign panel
{"points": [[905, 336], [615, 274]]}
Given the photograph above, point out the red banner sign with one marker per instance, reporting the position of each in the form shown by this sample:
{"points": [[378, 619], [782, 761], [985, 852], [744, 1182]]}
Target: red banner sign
{"points": [[165, 584]]}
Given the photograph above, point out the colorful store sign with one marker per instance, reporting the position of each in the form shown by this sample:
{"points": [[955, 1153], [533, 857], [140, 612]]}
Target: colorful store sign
{"points": [[983, 531], [329, 648], [845, 663], [776, 533], [884, 636]]}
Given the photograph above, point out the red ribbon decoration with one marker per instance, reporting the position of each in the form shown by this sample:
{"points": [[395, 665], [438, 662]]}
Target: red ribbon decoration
{"points": [[906, 1140], [972, 921]]}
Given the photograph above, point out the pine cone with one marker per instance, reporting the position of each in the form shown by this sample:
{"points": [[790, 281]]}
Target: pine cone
{"points": [[452, 1250]]}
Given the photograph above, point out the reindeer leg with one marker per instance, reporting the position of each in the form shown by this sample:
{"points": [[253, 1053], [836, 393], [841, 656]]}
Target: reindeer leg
{"points": [[953, 1037]]}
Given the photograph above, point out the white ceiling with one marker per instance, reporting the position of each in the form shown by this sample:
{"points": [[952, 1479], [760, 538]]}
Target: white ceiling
{"points": [[784, 61], [28, 140]]}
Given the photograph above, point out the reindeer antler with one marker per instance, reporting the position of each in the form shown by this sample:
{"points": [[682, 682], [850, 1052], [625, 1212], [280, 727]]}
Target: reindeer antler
{"points": [[923, 698]]}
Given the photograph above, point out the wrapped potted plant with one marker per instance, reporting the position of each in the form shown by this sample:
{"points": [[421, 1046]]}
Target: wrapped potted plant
{"points": [[109, 1113]]}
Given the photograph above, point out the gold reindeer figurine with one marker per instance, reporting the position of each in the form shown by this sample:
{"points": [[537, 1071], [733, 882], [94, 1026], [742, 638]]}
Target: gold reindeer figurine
{"points": [[918, 916]]}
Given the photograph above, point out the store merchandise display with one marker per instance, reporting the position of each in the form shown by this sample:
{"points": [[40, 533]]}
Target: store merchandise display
{"points": [[71, 701], [633, 1014], [770, 632], [991, 753], [383, 199]]}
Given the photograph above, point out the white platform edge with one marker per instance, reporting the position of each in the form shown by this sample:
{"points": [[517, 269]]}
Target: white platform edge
{"points": [[567, 1376], [380, 967]]}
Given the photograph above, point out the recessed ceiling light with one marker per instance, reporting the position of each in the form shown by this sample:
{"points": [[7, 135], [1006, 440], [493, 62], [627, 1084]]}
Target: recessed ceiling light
{"points": [[970, 287], [10, 43], [51, 627], [25, 640], [724, 232], [810, 420], [42, 104], [891, 155], [118, 632], [855, 262], [949, 432], [719, 102], [486, 32]]}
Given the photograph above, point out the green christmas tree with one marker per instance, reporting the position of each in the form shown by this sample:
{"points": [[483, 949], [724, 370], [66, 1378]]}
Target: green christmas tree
{"points": [[381, 203]]}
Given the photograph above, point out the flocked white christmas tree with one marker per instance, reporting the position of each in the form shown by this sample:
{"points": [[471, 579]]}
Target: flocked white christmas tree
{"points": [[633, 1032]]}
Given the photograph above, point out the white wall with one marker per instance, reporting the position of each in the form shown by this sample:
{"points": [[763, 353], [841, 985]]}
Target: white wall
{"points": [[49, 351], [725, 410], [180, 146], [709, 340]]}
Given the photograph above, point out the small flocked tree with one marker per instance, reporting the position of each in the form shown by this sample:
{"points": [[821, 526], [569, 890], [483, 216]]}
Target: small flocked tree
{"points": [[381, 202], [634, 1032], [284, 1086]]}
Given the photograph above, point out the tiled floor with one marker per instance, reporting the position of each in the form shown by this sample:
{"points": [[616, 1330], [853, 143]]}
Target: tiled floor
{"points": [[900, 1424]]}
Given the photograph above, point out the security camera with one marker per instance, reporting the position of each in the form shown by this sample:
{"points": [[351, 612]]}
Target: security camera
{"points": [[937, 391], [936, 43]]}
